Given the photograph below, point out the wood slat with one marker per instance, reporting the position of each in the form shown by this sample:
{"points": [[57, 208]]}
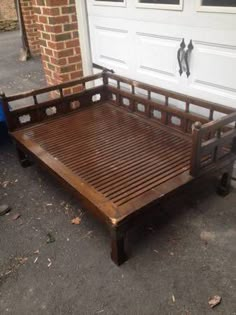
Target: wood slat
{"points": [[119, 154]]}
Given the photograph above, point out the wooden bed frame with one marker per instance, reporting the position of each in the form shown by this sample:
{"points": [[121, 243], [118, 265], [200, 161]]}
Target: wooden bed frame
{"points": [[122, 145]]}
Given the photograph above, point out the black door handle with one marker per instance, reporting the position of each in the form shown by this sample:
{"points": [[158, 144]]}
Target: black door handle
{"points": [[187, 57], [180, 56]]}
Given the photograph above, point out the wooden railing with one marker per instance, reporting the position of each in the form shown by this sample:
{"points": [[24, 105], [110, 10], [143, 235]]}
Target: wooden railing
{"points": [[212, 143], [155, 103], [212, 139], [62, 104]]}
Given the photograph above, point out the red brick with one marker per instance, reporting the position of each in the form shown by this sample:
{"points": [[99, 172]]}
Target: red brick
{"points": [[67, 68], [72, 43], [65, 77], [68, 9], [51, 3], [64, 53], [48, 52], [58, 19], [53, 28], [70, 27], [60, 62], [77, 51], [51, 11], [56, 46], [40, 2], [76, 74], [74, 18], [43, 19], [45, 36], [45, 58], [74, 59]]}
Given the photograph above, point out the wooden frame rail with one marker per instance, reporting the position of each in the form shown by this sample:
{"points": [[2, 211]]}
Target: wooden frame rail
{"points": [[208, 150], [39, 111], [155, 103]]}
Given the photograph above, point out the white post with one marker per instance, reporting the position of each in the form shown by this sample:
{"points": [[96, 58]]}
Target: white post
{"points": [[82, 17]]}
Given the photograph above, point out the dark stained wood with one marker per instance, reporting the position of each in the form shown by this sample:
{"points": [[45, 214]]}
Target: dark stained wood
{"points": [[121, 151]]}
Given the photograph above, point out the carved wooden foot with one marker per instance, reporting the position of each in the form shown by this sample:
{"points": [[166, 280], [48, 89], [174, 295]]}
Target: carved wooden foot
{"points": [[24, 161], [225, 181], [118, 254]]}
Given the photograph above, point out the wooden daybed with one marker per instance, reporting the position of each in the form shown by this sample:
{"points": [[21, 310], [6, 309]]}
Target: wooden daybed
{"points": [[125, 147]]}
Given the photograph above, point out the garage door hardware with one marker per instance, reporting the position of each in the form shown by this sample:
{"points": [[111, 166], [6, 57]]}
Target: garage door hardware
{"points": [[183, 57]]}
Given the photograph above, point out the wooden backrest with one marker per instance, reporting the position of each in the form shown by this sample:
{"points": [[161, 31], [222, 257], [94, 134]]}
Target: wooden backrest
{"points": [[173, 109], [35, 111]]}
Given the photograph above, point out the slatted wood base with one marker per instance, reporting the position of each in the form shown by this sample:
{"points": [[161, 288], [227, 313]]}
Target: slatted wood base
{"points": [[118, 160]]}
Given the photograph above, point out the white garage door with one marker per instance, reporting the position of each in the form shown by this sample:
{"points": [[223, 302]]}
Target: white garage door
{"points": [[142, 39]]}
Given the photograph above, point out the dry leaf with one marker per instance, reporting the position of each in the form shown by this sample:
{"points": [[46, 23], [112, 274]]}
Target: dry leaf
{"points": [[173, 298], [214, 300], [76, 220], [36, 260], [21, 260], [36, 252], [5, 184], [16, 216]]}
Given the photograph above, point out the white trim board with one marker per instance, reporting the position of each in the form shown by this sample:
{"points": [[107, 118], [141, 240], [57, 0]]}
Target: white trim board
{"points": [[82, 17]]}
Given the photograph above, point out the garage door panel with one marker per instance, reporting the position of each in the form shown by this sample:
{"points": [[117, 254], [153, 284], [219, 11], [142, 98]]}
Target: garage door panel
{"points": [[214, 69], [157, 56], [108, 46]]}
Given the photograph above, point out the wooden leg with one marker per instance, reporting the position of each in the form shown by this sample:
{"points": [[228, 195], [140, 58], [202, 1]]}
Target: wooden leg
{"points": [[225, 181], [24, 161], [118, 254]]}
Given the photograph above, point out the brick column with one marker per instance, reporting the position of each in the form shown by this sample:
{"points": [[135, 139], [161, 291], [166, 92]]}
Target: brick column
{"points": [[30, 26], [59, 40]]}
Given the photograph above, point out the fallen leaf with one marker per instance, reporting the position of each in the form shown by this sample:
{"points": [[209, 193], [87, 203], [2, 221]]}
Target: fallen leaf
{"points": [[36, 260], [76, 220], [214, 300], [5, 184], [21, 260], [173, 298], [16, 216], [36, 252]]}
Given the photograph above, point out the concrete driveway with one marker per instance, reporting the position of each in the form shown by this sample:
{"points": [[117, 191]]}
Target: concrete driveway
{"points": [[176, 263]]}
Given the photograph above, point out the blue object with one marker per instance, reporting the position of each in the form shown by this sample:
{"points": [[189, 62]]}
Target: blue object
{"points": [[2, 116]]}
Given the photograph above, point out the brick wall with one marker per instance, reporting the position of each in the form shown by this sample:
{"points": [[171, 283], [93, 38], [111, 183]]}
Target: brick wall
{"points": [[7, 10], [30, 26], [59, 40]]}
